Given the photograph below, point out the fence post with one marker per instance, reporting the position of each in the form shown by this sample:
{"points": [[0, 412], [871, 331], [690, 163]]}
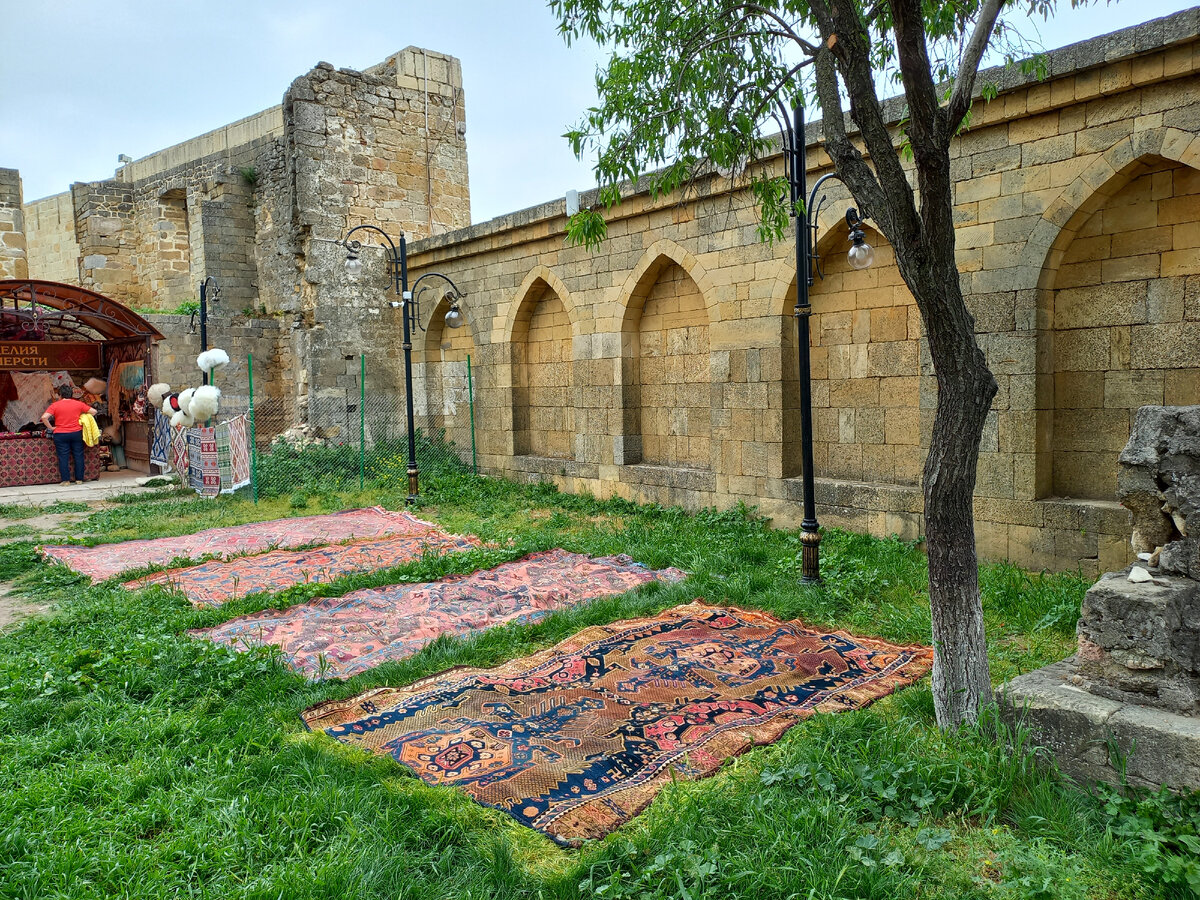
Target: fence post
{"points": [[253, 442], [362, 418], [471, 398]]}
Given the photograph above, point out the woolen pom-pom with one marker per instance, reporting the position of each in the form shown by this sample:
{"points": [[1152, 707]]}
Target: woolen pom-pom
{"points": [[212, 359], [205, 402]]}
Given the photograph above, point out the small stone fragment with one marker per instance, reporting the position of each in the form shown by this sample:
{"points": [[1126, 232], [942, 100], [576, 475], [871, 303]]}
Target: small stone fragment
{"points": [[1137, 575]]}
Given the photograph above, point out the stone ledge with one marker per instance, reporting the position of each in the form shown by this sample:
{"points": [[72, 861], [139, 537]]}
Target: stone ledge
{"points": [[669, 476], [1080, 729], [552, 465]]}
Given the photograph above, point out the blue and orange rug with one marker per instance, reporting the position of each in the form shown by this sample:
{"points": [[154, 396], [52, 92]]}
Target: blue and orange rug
{"points": [[576, 740]]}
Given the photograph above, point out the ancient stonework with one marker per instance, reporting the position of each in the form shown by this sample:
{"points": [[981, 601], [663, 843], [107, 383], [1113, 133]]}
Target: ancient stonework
{"points": [[1133, 688], [662, 367]]}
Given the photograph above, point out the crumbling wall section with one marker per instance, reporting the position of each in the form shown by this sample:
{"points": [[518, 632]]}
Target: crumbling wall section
{"points": [[50, 239], [13, 260]]}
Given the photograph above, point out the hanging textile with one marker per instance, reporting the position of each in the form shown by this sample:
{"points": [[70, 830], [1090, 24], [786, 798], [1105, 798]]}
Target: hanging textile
{"points": [[179, 455], [160, 445], [35, 392], [8, 391], [204, 474], [233, 454]]}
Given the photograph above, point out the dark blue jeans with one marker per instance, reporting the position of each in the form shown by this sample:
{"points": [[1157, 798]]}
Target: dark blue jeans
{"points": [[68, 445]]}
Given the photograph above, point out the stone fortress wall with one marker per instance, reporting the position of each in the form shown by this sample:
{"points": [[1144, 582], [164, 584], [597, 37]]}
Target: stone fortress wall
{"points": [[1079, 244], [662, 367]]}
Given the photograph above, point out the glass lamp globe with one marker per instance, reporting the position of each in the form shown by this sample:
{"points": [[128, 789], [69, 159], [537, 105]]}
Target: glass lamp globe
{"points": [[454, 317], [861, 255], [354, 265]]}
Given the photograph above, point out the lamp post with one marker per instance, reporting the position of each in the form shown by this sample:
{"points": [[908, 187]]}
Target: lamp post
{"points": [[410, 312], [860, 256], [204, 298]]}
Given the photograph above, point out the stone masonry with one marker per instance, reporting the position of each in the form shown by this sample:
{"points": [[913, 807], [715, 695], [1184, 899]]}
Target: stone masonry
{"points": [[663, 367], [13, 261], [1079, 246], [1132, 691]]}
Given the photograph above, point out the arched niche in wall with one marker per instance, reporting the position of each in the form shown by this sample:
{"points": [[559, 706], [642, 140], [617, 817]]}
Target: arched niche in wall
{"points": [[172, 280], [447, 389], [665, 365], [542, 371], [865, 364], [1119, 322]]}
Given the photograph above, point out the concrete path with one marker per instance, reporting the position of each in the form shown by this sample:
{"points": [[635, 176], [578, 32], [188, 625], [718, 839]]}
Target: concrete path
{"points": [[109, 485]]}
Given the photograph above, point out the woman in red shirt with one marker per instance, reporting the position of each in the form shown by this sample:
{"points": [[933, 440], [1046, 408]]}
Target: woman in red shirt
{"points": [[67, 432]]}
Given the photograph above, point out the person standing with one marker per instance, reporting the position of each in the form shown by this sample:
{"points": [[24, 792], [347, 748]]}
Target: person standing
{"points": [[67, 432]]}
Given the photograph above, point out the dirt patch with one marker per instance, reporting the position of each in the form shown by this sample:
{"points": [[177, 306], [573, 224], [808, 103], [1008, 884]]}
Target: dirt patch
{"points": [[47, 527], [14, 610]]}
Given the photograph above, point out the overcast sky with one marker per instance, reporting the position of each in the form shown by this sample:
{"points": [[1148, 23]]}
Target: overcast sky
{"points": [[86, 80]]}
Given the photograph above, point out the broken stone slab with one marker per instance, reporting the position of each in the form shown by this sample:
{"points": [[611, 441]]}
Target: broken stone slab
{"points": [[1159, 618], [1158, 476], [1093, 737]]}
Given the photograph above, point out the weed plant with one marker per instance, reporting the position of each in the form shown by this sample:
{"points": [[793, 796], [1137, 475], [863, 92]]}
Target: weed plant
{"points": [[138, 762]]}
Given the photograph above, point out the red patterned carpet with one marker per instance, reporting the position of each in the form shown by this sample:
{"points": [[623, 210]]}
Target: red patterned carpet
{"points": [[214, 583], [341, 636], [576, 740], [107, 560]]}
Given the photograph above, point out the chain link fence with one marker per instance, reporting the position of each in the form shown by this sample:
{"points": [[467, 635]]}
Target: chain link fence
{"points": [[349, 438]]}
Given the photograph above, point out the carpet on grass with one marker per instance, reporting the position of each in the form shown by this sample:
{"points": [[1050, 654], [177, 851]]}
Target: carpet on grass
{"points": [[341, 636], [214, 583], [576, 740], [106, 560]]}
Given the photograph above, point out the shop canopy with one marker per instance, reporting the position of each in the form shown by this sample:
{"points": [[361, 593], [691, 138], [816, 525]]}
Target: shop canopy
{"points": [[39, 311]]}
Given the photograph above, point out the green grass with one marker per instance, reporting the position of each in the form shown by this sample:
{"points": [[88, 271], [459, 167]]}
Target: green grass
{"points": [[137, 762]]}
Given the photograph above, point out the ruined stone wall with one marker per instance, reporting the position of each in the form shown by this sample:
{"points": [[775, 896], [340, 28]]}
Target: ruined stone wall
{"points": [[13, 260], [384, 149], [1038, 163], [50, 236]]}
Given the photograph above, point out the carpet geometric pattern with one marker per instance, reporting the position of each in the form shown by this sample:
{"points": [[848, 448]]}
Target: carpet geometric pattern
{"points": [[214, 583], [107, 560], [576, 740], [338, 637]]}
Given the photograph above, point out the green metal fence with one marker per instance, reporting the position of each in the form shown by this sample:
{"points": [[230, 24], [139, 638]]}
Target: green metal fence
{"points": [[351, 437]]}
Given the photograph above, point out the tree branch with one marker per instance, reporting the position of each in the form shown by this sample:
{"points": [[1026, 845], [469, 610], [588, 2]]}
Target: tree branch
{"points": [[964, 82], [847, 159]]}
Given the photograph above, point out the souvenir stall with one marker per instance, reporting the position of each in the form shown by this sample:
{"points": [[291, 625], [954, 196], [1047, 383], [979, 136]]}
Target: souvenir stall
{"points": [[53, 334]]}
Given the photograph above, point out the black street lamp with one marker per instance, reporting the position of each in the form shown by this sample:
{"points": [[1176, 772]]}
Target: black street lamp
{"points": [[204, 300], [410, 312], [808, 265]]}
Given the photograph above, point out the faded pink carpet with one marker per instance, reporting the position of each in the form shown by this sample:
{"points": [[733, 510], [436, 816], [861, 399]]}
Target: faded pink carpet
{"points": [[214, 583], [106, 560], [341, 636]]}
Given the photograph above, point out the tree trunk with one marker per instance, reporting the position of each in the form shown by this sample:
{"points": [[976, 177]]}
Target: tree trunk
{"points": [[961, 678]]}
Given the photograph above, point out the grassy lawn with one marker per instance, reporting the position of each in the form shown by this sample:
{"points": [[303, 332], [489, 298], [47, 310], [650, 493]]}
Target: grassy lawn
{"points": [[137, 762]]}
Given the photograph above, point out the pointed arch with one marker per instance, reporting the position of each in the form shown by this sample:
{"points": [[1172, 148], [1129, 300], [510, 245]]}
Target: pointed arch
{"points": [[449, 379], [526, 292], [539, 334], [1114, 169], [1112, 334], [661, 253]]}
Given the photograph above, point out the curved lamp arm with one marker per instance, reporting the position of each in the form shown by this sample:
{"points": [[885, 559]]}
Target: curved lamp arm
{"points": [[454, 318], [861, 253], [354, 247]]}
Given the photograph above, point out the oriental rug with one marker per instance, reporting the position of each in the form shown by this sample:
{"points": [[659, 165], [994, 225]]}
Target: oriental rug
{"points": [[204, 474], [578, 739], [341, 636], [106, 560], [214, 583]]}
